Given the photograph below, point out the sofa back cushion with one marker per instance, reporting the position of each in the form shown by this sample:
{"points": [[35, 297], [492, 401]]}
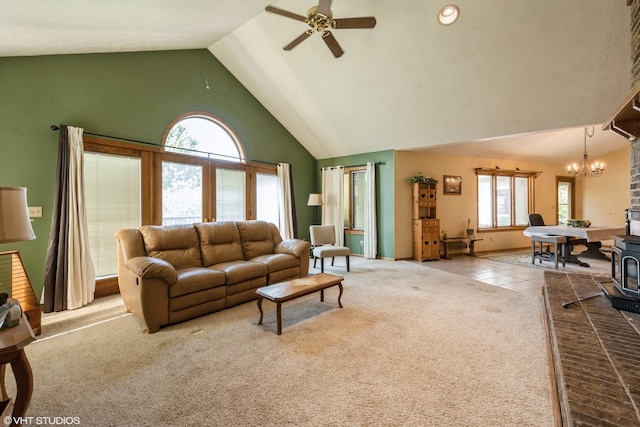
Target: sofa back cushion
{"points": [[256, 237], [176, 244], [219, 242]]}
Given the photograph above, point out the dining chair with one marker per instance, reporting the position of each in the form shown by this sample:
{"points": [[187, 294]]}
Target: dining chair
{"points": [[323, 242], [535, 220], [559, 243]]}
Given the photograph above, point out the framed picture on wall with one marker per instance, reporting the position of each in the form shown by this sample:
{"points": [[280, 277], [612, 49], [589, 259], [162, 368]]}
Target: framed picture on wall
{"points": [[452, 184]]}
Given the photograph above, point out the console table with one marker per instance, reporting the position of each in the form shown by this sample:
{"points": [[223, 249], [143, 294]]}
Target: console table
{"points": [[469, 243]]}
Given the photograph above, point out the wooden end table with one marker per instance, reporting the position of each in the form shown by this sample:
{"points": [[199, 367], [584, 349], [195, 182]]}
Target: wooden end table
{"points": [[12, 343], [292, 289], [469, 243]]}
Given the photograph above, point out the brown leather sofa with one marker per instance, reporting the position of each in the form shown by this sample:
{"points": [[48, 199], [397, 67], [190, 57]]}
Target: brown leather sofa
{"points": [[168, 274]]}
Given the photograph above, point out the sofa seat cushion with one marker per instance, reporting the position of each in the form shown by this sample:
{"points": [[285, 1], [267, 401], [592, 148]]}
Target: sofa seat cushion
{"points": [[197, 279], [177, 244], [277, 262], [330, 251], [240, 271]]}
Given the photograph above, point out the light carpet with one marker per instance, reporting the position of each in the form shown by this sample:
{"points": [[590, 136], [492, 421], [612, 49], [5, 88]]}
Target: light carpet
{"points": [[413, 346]]}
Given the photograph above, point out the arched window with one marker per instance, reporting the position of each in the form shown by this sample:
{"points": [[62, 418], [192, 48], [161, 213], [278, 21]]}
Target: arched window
{"points": [[202, 134], [205, 175]]}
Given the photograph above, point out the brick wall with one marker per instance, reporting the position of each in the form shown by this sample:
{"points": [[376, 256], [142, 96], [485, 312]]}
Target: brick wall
{"points": [[635, 42], [635, 74], [635, 174]]}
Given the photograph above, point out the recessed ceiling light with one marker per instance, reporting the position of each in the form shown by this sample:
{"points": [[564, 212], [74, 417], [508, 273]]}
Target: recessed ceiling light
{"points": [[448, 14]]}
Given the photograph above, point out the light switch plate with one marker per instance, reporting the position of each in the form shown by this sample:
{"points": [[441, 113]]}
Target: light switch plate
{"points": [[35, 211]]}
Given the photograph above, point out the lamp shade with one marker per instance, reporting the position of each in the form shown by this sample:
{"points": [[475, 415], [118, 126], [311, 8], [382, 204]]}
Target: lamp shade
{"points": [[314, 200], [15, 224]]}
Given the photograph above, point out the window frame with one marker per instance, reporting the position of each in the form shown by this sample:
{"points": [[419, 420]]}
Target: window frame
{"points": [[348, 198], [151, 192], [252, 177], [149, 155], [99, 178], [216, 120], [512, 174], [572, 196]]}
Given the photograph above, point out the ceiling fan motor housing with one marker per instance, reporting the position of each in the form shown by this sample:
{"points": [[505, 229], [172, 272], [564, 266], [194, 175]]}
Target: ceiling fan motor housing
{"points": [[319, 22]]}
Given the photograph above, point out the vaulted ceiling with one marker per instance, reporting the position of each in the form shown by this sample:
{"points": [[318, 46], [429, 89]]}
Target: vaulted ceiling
{"points": [[510, 78]]}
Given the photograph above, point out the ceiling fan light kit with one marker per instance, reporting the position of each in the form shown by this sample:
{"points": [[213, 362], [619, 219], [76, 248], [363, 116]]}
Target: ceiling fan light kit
{"points": [[320, 19], [448, 14]]}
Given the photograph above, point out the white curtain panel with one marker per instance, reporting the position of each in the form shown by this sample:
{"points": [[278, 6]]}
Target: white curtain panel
{"points": [[371, 226], [81, 278], [333, 200], [285, 204]]}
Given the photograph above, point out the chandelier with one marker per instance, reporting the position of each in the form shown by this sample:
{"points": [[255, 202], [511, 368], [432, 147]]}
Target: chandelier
{"points": [[585, 170]]}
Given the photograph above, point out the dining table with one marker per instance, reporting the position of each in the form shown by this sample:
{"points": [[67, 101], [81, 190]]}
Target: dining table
{"points": [[591, 237]]}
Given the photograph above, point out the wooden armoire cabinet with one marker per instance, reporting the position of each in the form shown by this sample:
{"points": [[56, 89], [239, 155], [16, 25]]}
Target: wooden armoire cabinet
{"points": [[426, 227]]}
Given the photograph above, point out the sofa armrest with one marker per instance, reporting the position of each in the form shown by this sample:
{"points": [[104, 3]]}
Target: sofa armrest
{"points": [[149, 267], [296, 247]]}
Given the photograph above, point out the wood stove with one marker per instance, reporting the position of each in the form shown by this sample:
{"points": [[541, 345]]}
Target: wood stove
{"points": [[625, 266]]}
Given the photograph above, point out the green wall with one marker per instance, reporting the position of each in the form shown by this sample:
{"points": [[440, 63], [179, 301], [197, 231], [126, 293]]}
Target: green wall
{"points": [[128, 95], [384, 204]]}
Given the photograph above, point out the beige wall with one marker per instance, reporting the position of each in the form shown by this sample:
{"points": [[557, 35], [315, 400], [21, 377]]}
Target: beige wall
{"points": [[605, 199], [602, 200]]}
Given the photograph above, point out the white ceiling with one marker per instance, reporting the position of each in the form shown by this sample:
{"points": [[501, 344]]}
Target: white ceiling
{"points": [[44, 27], [511, 78]]}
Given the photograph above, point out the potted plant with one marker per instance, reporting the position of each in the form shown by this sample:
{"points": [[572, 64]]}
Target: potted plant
{"points": [[419, 178], [470, 230]]}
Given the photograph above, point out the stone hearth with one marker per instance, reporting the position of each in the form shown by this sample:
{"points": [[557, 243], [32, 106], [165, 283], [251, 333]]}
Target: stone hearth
{"points": [[596, 353]]}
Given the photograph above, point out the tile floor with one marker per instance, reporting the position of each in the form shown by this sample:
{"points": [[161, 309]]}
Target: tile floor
{"points": [[514, 277]]}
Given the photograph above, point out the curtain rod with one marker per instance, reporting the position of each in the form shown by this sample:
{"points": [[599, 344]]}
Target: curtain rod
{"points": [[353, 166], [56, 128]]}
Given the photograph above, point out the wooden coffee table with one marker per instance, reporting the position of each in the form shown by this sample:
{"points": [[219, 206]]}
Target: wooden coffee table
{"points": [[292, 289]]}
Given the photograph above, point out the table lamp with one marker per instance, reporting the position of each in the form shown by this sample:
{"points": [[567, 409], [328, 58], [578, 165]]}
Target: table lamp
{"points": [[315, 200], [15, 226]]}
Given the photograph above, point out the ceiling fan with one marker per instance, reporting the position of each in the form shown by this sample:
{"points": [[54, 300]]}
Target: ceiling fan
{"points": [[320, 19]]}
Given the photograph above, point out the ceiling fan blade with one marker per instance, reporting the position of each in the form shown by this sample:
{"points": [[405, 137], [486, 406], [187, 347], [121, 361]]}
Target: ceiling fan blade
{"points": [[364, 22], [302, 37], [286, 13], [324, 7], [331, 41]]}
